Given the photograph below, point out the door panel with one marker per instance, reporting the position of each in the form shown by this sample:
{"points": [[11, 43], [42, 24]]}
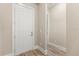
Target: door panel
{"points": [[24, 18]]}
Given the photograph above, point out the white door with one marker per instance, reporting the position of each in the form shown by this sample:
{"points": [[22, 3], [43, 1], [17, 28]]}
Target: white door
{"points": [[24, 23]]}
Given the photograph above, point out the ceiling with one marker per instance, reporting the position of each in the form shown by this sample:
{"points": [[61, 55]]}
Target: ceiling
{"points": [[50, 5]]}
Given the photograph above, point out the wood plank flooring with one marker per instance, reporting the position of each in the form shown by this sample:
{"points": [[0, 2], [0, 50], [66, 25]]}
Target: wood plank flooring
{"points": [[55, 52], [36, 52]]}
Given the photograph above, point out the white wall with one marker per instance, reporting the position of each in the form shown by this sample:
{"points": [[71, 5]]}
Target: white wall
{"points": [[57, 23]]}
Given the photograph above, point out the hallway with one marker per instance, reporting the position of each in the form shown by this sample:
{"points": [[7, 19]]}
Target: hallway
{"points": [[39, 29]]}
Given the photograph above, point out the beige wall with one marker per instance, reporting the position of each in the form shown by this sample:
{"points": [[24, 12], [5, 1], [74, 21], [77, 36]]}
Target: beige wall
{"points": [[36, 24], [5, 29], [0, 35], [57, 23], [72, 29], [41, 25]]}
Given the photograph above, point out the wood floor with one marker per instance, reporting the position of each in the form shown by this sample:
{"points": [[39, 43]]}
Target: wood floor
{"points": [[36, 52], [55, 52]]}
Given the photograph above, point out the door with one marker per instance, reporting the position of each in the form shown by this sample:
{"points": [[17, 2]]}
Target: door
{"points": [[24, 23]]}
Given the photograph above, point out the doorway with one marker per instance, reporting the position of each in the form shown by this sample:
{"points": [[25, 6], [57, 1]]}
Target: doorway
{"points": [[24, 17]]}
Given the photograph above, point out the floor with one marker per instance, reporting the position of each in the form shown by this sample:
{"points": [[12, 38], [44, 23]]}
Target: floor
{"points": [[55, 52], [51, 52], [35, 52]]}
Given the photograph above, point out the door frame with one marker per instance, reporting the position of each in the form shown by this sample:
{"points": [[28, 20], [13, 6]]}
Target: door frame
{"points": [[13, 25], [46, 29]]}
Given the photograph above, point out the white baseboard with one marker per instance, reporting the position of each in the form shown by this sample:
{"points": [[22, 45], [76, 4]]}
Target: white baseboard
{"points": [[41, 49], [35, 47], [58, 47]]}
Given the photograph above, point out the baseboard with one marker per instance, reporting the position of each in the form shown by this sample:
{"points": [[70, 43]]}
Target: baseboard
{"points": [[58, 47], [35, 47], [41, 49]]}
